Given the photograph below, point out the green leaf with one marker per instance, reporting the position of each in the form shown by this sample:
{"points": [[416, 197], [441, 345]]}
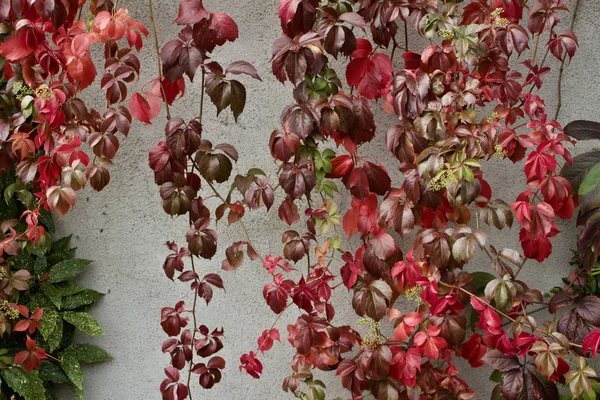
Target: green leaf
{"points": [[87, 353], [83, 321], [72, 369], [67, 269], [590, 181], [39, 300], [52, 293], [48, 321], [68, 288], [47, 220], [28, 385], [480, 280], [41, 266], [496, 376], [61, 244], [55, 258], [51, 372], [9, 192], [78, 393], [71, 358], [55, 338], [84, 298]]}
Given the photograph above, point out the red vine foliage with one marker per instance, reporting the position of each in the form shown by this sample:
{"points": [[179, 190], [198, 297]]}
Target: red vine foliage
{"points": [[459, 102], [47, 132]]}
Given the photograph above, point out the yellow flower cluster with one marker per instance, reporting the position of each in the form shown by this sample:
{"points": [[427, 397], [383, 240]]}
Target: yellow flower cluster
{"points": [[414, 294], [446, 34], [8, 311], [373, 338], [441, 180]]}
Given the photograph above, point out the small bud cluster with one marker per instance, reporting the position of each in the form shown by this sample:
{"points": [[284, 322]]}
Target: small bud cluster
{"points": [[414, 294], [500, 152], [44, 92], [497, 12], [9, 311], [446, 34], [492, 118], [441, 180], [20, 91], [373, 338]]}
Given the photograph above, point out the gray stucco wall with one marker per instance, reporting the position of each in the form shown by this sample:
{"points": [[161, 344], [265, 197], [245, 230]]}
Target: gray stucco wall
{"points": [[124, 227]]}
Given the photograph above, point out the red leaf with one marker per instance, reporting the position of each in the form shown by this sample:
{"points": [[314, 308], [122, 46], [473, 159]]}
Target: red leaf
{"points": [[371, 75], [265, 341], [190, 12], [144, 110], [250, 364], [242, 67], [276, 295], [223, 27], [383, 244], [12, 50], [61, 199], [591, 342]]}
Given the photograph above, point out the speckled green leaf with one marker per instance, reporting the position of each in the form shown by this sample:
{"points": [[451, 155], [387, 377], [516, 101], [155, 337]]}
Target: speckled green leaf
{"points": [[28, 385], [68, 288], [51, 372], [83, 298], [48, 321], [72, 369], [56, 337], [46, 217], [88, 353], [52, 293], [84, 322], [67, 269], [41, 266], [77, 393], [71, 358], [59, 256], [61, 244], [40, 300]]}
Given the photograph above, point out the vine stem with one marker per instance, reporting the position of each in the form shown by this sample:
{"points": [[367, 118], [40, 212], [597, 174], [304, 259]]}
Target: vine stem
{"points": [[202, 93], [500, 312], [405, 36], [242, 225], [189, 378], [562, 66], [537, 43], [156, 49]]}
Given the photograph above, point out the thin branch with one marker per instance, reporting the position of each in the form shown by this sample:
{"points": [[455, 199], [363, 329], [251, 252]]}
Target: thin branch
{"points": [[202, 92], [537, 44], [156, 49], [562, 67], [239, 221], [405, 37], [189, 378]]}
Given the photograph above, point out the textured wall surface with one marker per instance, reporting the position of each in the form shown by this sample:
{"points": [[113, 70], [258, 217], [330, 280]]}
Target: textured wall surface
{"points": [[124, 227]]}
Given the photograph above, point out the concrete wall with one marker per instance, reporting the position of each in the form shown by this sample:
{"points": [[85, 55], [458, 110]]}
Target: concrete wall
{"points": [[124, 227]]}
